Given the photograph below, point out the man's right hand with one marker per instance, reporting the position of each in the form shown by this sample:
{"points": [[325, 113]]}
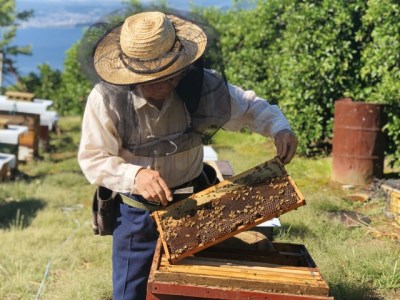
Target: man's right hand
{"points": [[152, 187]]}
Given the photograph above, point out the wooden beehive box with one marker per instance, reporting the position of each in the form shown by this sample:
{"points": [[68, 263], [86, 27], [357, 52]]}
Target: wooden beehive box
{"points": [[3, 124], [286, 272], [224, 210], [4, 170], [394, 200], [395, 205], [31, 138]]}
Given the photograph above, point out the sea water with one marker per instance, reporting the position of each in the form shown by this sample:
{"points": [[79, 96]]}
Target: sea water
{"points": [[49, 45], [50, 41]]}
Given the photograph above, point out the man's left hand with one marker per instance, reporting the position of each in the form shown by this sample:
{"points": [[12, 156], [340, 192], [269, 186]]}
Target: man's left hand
{"points": [[286, 144]]}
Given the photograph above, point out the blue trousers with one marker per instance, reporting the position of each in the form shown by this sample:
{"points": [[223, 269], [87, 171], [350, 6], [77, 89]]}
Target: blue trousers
{"points": [[134, 241]]}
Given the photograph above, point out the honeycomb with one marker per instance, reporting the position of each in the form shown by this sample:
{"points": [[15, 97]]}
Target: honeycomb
{"points": [[210, 217]]}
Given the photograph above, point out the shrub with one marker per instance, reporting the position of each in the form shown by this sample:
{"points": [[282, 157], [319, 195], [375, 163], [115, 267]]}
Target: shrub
{"points": [[304, 55], [380, 72]]}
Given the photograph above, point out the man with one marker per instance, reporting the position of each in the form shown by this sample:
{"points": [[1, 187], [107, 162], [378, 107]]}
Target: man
{"points": [[144, 124]]}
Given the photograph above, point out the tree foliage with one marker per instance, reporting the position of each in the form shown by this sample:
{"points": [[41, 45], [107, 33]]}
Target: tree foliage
{"points": [[44, 84], [9, 22], [304, 55], [68, 89], [301, 55], [380, 70], [74, 87]]}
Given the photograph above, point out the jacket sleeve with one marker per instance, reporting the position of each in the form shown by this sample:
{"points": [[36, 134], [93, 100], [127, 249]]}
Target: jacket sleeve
{"points": [[99, 148], [254, 113]]}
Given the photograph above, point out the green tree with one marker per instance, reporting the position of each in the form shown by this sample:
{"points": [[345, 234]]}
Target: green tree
{"points": [[247, 38], [317, 61], [9, 22], [74, 87], [380, 72], [44, 85], [67, 89], [304, 55]]}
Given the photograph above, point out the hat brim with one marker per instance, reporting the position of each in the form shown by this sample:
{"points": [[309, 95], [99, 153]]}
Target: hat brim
{"points": [[110, 66]]}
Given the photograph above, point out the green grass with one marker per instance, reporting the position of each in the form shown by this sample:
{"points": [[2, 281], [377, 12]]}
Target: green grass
{"points": [[47, 247], [45, 225]]}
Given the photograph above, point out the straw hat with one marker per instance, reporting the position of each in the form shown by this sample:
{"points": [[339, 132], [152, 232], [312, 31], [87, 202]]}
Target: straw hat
{"points": [[149, 46]]}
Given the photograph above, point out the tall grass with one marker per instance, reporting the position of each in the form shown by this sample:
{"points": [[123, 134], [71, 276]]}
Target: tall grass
{"points": [[48, 251]]}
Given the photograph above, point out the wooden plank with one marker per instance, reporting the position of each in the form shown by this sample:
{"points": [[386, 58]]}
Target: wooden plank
{"points": [[242, 275], [155, 265], [168, 291], [161, 232], [23, 96], [230, 263], [246, 273], [32, 121], [241, 284], [254, 270]]}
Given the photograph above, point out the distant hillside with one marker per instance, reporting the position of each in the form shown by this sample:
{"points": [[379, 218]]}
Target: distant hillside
{"points": [[73, 13]]}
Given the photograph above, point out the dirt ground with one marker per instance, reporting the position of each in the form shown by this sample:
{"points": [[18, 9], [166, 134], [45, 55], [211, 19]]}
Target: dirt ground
{"points": [[376, 198]]}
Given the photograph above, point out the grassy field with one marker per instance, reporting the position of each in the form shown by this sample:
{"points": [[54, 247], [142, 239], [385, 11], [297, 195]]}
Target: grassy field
{"points": [[48, 251]]}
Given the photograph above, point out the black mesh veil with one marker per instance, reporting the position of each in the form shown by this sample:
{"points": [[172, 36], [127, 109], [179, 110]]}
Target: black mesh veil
{"points": [[203, 90], [212, 59]]}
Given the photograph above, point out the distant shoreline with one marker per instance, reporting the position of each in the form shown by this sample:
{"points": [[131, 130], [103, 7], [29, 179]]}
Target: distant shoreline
{"points": [[57, 27]]}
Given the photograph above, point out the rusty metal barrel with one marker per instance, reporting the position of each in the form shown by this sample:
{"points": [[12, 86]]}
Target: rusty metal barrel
{"points": [[358, 142]]}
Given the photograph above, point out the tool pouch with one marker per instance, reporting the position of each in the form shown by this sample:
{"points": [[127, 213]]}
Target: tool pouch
{"points": [[104, 208]]}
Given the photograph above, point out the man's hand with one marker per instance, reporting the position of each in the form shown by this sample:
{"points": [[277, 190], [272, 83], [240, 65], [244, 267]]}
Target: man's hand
{"points": [[152, 187], [286, 144]]}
